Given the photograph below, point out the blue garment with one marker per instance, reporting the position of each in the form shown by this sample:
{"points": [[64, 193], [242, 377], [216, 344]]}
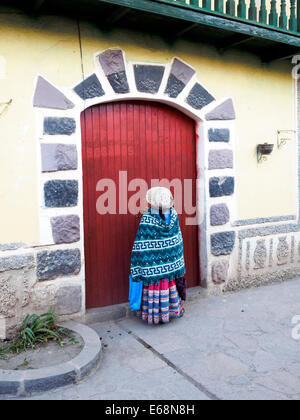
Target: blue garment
{"points": [[135, 294], [166, 213], [136, 288]]}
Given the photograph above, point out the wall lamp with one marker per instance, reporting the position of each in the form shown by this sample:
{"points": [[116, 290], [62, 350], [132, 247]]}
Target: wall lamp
{"points": [[263, 150]]}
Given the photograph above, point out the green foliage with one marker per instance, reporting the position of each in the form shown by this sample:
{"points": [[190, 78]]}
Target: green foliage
{"points": [[37, 329]]}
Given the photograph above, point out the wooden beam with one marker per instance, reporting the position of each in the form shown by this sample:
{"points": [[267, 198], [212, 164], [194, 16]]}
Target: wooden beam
{"points": [[113, 18], [208, 18], [280, 57], [236, 44], [186, 30]]}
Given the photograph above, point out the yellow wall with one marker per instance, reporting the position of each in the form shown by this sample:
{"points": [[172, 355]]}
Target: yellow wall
{"points": [[262, 94], [49, 47]]}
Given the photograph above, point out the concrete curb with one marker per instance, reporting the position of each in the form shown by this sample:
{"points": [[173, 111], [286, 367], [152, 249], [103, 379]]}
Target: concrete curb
{"points": [[24, 383]]}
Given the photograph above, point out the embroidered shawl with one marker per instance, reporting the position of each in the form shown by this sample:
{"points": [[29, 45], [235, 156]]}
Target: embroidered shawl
{"points": [[158, 249]]}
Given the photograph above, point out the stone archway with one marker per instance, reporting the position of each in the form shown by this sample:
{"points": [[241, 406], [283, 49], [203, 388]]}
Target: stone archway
{"points": [[114, 79]]}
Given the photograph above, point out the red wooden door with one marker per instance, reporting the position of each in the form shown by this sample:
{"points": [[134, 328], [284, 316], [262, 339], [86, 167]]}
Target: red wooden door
{"points": [[150, 141]]}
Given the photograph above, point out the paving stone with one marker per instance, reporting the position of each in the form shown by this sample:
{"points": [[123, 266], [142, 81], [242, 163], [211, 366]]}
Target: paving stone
{"points": [[221, 349], [266, 362], [281, 381], [225, 366]]}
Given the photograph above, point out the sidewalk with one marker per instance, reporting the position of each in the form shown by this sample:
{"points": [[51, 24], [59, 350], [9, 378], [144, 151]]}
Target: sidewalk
{"points": [[238, 346]]}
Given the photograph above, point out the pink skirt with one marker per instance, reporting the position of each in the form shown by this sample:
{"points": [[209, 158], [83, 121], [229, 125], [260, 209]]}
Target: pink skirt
{"points": [[160, 303]]}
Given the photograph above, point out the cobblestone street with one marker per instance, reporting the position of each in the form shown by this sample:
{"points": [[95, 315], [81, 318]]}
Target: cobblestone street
{"points": [[237, 346]]}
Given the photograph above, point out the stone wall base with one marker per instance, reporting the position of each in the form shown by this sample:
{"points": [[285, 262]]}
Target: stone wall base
{"points": [[23, 289], [261, 280]]}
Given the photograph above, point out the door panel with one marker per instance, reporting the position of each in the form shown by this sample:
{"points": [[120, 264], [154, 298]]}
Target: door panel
{"points": [[150, 141]]}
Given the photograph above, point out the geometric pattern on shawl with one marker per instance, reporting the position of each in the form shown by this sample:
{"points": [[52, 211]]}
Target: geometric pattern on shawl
{"points": [[157, 252]]}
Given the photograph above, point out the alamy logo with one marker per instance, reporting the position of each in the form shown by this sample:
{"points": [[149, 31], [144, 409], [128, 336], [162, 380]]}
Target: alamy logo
{"points": [[116, 197], [296, 329]]}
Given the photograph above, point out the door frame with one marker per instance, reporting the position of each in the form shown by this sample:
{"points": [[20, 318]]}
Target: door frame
{"points": [[105, 85], [90, 122]]}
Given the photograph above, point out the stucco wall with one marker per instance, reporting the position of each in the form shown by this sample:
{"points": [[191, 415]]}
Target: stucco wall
{"points": [[262, 94]]}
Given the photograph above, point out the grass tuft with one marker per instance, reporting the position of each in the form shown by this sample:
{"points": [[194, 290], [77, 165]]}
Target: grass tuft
{"points": [[37, 329]]}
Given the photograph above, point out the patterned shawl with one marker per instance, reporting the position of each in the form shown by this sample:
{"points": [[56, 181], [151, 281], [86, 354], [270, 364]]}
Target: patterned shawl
{"points": [[158, 249]]}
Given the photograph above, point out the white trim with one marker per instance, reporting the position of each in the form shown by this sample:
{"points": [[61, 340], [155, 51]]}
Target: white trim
{"points": [[202, 149]]}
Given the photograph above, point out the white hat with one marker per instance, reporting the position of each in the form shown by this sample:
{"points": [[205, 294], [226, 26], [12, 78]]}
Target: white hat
{"points": [[160, 198]]}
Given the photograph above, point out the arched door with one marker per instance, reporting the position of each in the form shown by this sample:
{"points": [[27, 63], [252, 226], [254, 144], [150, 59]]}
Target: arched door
{"points": [[130, 140]]}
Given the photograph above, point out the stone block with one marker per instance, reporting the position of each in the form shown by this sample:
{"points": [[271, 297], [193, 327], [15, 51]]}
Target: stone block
{"points": [[180, 75], [59, 157], [182, 71], [112, 61], [222, 243], [11, 246], [48, 96], [17, 278], [65, 229], [174, 86], [219, 214], [16, 262], [219, 135], [89, 88], [61, 193], [220, 271], [224, 111], [199, 97], [69, 300], [220, 159], [53, 264], [148, 77], [59, 126], [118, 82], [219, 186]]}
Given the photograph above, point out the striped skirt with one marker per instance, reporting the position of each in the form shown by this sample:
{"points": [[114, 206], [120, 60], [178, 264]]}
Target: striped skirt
{"points": [[160, 303]]}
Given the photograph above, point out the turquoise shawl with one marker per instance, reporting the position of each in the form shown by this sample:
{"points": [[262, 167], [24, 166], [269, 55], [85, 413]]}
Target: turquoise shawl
{"points": [[158, 249]]}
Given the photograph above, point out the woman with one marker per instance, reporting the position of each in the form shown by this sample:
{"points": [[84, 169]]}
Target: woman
{"points": [[157, 260]]}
